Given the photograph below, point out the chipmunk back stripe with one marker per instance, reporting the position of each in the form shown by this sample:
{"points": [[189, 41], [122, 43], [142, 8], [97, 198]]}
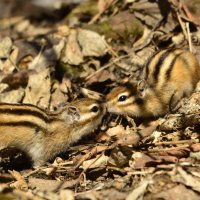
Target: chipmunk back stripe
{"points": [[169, 75], [185, 61], [170, 68], [22, 124], [158, 65], [23, 110], [57, 112]]}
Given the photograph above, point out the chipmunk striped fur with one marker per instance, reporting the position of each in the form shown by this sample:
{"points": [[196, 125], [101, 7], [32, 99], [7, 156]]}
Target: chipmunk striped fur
{"points": [[168, 76], [43, 134]]}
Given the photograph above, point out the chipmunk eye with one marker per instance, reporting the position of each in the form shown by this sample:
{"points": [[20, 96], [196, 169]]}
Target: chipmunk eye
{"points": [[94, 109], [122, 98]]}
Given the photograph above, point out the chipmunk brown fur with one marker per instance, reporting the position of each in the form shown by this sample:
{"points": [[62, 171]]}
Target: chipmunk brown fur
{"points": [[43, 134], [168, 76]]}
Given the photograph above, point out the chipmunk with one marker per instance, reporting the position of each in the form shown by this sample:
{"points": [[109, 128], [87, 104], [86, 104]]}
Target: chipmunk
{"points": [[168, 76], [43, 134]]}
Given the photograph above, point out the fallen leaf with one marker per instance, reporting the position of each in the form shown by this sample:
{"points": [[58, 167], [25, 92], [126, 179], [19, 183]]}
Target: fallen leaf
{"points": [[178, 192], [37, 91], [48, 57], [195, 147], [50, 185], [116, 131], [67, 194], [140, 160], [17, 79], [101, 76], [5, 47], [91, 43], [120, 156], [99, 161], [187, 179], [72, 53], [91, 94], [13, 96], [20, 183], [139, 191]]}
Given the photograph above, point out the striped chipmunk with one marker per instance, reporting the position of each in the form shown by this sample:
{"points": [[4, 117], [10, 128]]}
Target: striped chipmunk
{"points": [[168, 76], [43, 134]]}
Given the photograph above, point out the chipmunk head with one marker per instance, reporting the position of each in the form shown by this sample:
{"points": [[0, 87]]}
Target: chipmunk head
{"points": [[86, 110], [127, 99], [82, 116]]}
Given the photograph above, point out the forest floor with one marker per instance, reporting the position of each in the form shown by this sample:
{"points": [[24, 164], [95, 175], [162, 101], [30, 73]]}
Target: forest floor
{"points": [[57, 51]]}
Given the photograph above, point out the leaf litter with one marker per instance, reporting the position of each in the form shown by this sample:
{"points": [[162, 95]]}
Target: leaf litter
{"points": [[70, 49]]}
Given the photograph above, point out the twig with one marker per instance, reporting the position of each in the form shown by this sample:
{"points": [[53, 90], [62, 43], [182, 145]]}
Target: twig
{"points": [[189, 37], [14, 65], [85, 170], [106, 66], [175, 142], [182, 26], [101, 11], [34, 171], [111, 50], [93, 151], [168, 149], [149, 37]]}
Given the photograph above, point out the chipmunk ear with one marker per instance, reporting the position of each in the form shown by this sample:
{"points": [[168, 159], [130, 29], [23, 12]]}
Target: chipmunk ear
{"points": [[141, 87], [73, 112]]}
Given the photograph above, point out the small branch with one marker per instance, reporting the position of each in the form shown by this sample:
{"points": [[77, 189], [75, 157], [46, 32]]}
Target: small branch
{"points": [[189, 37], [106, 66], [169, 149]]}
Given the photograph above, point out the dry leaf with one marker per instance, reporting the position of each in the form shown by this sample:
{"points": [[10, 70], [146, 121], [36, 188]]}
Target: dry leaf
{"points": [[116, 131], [67, 194], [195, 147], [5, 47], [83, 43], [187, 179], [48, 57], [140, 160], [22, 26], [20, 183], [99, 161], [10, 64], [63, 30], [57, 96], [91, 94], [178, 192], [13, 96], [37, 91], [91, 43], [50, 185], [139, 192], [101, 76], [120, 156], [15, 80], [3, 87], [72, 53]]}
